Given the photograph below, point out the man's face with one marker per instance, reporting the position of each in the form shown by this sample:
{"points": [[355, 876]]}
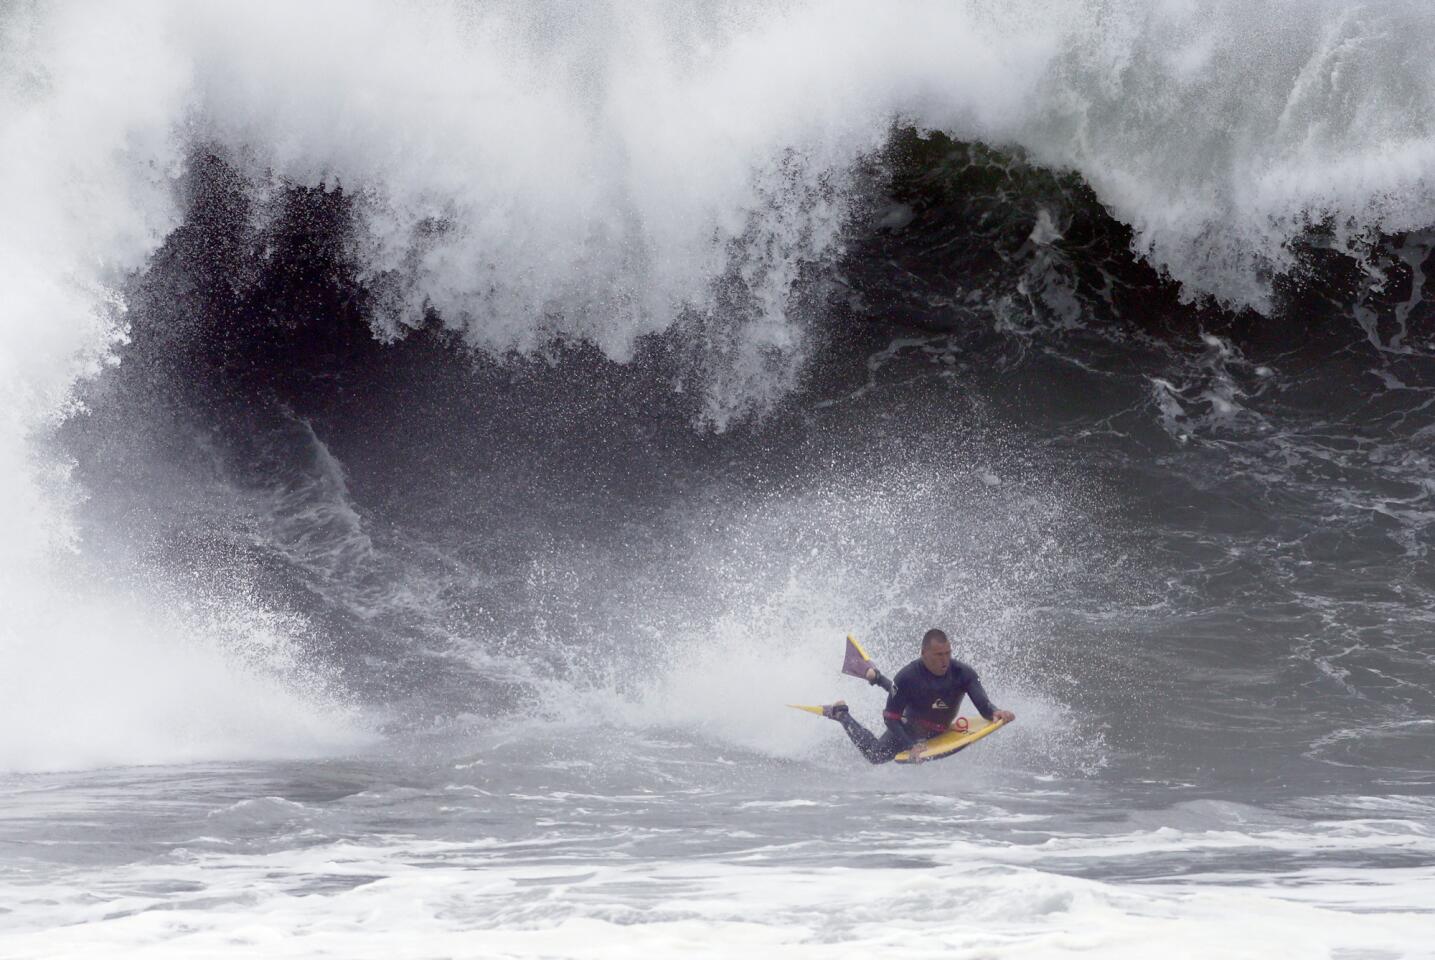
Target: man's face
{"points": [[937, 657]]}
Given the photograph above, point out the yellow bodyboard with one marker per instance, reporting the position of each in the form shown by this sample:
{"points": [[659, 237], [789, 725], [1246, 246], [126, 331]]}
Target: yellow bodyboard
{"points": [[953, 741], [943, 744]]}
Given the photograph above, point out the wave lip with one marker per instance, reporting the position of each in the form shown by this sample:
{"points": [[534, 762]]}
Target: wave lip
{"points": [[530, 175]]}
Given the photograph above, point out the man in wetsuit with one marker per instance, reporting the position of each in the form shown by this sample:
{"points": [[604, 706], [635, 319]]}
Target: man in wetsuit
{"points": [[922, 702]]}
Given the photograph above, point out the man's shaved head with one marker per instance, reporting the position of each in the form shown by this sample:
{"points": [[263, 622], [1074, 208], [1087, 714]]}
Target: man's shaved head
{"points": [[936, 652]]}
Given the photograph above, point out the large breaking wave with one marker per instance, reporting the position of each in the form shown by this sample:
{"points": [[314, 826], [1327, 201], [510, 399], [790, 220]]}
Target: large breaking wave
{"points": [[692, 179]]}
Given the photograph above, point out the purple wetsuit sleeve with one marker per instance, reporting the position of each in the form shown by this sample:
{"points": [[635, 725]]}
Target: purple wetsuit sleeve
{"points": [[979, 698], [897, 702]]}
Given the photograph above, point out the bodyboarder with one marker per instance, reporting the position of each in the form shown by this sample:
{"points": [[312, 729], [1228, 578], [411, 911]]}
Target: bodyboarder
{"points": [[923, 699]]}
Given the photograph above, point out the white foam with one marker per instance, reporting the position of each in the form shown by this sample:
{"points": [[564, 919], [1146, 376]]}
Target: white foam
{"points": [[470, 900], [93, 677]]}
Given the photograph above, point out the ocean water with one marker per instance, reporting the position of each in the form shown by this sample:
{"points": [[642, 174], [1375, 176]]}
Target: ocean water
{"points": [[438, 440]]}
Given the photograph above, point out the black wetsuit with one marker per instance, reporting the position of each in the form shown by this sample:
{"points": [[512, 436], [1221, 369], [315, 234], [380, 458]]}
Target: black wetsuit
{"points": [[920, 705]]}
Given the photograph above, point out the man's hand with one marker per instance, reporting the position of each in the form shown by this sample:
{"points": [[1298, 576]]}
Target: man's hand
{"points": [[1006, 715], [871, 674]]}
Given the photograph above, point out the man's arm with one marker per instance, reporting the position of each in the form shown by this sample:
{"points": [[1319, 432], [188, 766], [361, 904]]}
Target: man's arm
{"points": [[983, 703], [897, 701]]}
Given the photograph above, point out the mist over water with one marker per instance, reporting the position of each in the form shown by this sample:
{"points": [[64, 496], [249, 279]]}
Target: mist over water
{"points": [[437, 441]]}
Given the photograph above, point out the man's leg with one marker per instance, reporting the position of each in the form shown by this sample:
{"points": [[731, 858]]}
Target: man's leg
{"points": [[875, 749]]}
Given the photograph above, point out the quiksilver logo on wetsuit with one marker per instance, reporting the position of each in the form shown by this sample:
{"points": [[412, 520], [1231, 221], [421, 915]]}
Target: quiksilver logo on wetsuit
{"points": [[939, 704]]}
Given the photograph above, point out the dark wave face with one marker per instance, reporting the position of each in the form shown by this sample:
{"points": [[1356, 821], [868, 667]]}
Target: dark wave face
{"points": [[1164, 524]]}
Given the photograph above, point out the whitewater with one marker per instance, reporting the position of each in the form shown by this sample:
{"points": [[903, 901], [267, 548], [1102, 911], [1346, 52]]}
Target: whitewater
{"points": [[437, 440]]}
